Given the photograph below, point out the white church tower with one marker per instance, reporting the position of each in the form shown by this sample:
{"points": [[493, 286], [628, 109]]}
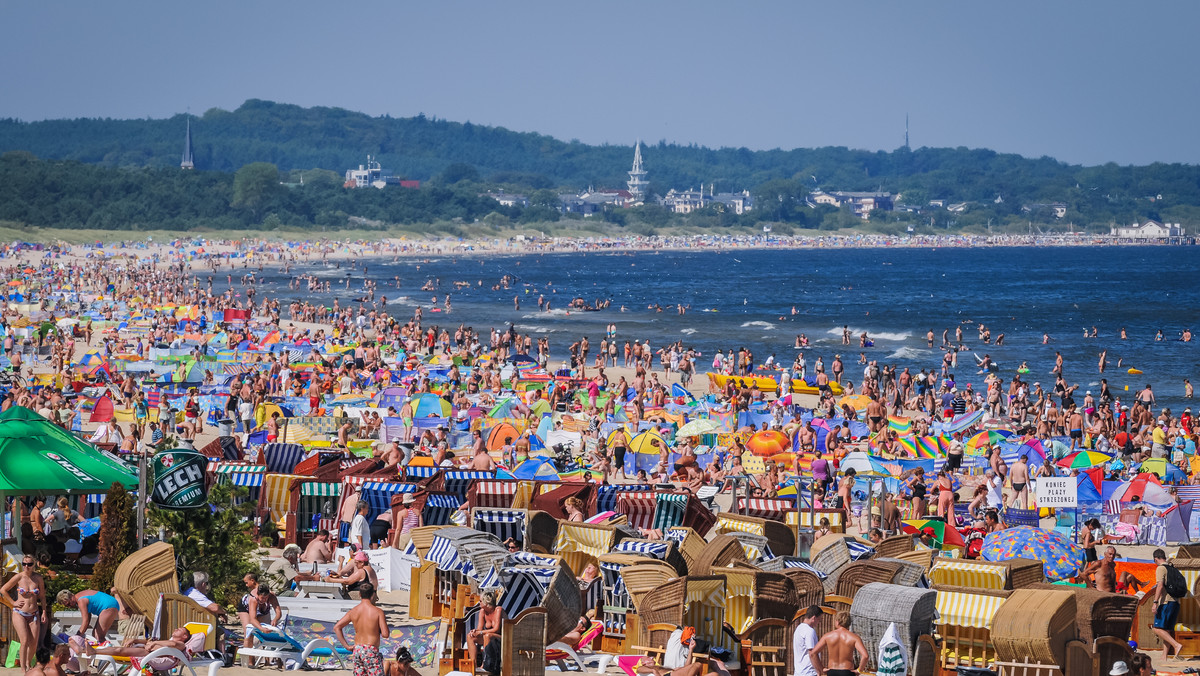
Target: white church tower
{"points": [[637, 175]]}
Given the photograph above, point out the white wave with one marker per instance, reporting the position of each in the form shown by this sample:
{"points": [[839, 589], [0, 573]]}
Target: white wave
{"points": [[533, 328], [768, 326], [687, 332], [909, 353], [872, 335], [556, 312]]}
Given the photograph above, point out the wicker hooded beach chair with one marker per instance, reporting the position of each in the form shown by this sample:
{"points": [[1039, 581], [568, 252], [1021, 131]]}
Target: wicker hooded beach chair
{"points": [[642, 577], [1100, 614], [878, 605], [964, 623], [861, 573], [809, 590], [895, 545], [719, 553], [523, 644], [1033, 627], [780, 538], [689, 542], [766, 648], [145, 575]]}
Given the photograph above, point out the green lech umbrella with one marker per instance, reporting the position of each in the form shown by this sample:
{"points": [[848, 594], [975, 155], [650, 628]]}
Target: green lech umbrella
{"points": [[38, 457]]}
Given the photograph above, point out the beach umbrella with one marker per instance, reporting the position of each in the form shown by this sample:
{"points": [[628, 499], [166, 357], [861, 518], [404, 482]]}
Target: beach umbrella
{"points": [[648, 442], [1061, 558], [428, 404], [540, 407], [697, 427], [1084, 459], [1035, 451], [862, 464], [947, 536], [1164, 470], [858, 402], [497, 435], [985, 438], [962, 422], [769, 442], [352, 400], [39, 457]]}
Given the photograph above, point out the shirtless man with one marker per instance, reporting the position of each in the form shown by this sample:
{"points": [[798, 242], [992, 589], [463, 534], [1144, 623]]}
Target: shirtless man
{"points": [[1020, 483], [842, 645], [319, 549], [370, 626], [1106, 578], [482, 461], [875, 415], [1075, 423], [51, 665]]}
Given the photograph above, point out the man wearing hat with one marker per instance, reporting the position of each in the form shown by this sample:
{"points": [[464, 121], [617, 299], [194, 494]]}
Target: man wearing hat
{"points": [[929, 537], [282, 572]]}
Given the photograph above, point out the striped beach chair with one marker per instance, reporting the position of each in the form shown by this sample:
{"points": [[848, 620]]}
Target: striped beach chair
{"points": [[670, 510], [491, 493], [282, 458], [378, 495], [503, 523], [639, 507], [775, 509], [459, 482], [275, 497], [606, 495], [438, 508]]}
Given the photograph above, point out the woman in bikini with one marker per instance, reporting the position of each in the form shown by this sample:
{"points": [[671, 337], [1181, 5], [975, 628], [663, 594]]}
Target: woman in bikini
{"points": [[30, 610]]}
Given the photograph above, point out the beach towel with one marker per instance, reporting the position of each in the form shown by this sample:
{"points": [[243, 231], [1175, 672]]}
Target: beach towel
{"points": [[893, 656]]}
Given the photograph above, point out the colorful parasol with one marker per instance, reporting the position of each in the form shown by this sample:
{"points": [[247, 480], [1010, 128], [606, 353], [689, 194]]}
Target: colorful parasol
{"points": [[947, 536], [1061, 558], [985, 438], [1084, 459]]}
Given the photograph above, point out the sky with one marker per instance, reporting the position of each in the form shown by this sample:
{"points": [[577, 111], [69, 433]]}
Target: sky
{"points": [[1083, 82]]}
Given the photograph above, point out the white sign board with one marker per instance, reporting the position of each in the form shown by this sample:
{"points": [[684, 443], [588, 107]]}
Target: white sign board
{"points": [[1056, 492], [391, 567]]}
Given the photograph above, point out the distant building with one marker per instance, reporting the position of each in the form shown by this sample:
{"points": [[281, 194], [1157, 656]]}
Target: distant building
{"points": [[1148, 230], [687, 201], [737, 202], [683, 201], [1059, 209], [638, 185], [591, 201], [374, 176], [509, 199], [861, 203], [188, 160]]}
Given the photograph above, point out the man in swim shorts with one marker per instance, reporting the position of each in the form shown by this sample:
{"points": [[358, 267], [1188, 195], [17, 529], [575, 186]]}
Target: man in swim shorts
{"points": [[370, 626], [842, 645]]}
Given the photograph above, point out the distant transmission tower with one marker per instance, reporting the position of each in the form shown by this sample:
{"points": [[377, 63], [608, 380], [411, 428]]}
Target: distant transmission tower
{"points": [[906, 132]]}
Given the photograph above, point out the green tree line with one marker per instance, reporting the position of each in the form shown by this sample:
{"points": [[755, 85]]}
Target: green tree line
{"points": [[124, 174]]}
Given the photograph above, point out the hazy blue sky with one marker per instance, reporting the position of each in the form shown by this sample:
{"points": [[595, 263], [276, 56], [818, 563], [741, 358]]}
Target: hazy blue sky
{"points": [[1085, 82]]}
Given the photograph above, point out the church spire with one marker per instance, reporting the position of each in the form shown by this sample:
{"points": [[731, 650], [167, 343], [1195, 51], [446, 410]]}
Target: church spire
{"points": [[188, 162], [637, 175]]}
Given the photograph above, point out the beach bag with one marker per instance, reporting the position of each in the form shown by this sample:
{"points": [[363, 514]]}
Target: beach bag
{"points": [[1175, 584]]}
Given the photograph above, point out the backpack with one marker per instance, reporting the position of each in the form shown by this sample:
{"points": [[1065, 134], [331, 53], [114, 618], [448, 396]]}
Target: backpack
{"points": [[1175, 584]]}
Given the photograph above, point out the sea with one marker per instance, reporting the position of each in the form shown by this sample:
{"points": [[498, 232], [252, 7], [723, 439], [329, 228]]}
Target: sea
{"points": [[763, 299]]}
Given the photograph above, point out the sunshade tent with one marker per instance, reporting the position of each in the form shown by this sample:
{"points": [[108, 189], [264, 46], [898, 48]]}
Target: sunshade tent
{"points": [[497, 436], [649, 442], [427, 404]]}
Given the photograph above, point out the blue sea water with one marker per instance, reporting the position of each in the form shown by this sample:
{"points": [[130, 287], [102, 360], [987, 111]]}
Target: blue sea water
{"points": [[745, 298]]}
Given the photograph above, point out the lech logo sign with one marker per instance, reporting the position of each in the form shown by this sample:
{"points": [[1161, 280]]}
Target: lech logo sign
{"points": [[179, 479]]}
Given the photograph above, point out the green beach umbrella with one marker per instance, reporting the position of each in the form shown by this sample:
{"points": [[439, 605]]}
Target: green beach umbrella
{"points": [[38, 457]]}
